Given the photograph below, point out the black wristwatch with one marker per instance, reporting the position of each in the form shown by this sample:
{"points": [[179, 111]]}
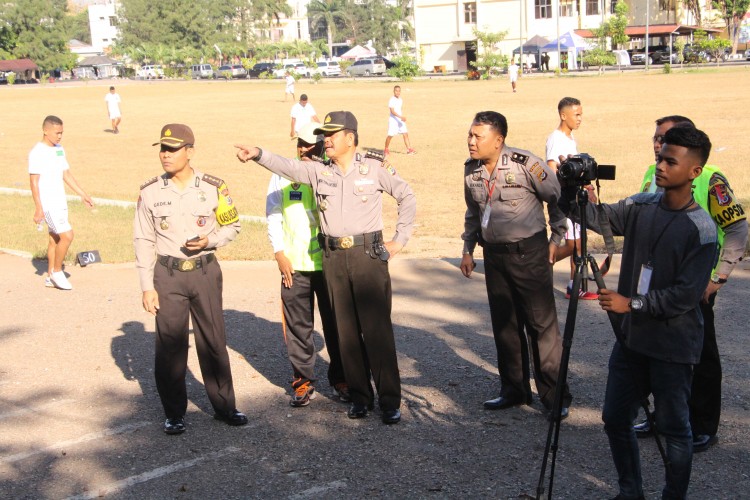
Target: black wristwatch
{"points": [[715, 278], [636, 303]]}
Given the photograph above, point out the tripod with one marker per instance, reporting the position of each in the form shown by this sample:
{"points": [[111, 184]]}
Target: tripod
{"points": [[583, 261]]}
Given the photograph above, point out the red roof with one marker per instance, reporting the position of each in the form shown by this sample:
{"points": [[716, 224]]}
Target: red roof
{"points": [[654, 29], [18, 65]]}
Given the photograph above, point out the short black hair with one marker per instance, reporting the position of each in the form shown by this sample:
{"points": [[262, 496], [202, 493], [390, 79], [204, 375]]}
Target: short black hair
{"points": [[674, 119], [111, 88], [494, 119], [691, 138], [356, 135], [303, 97], [567, 101], [51, 120]]}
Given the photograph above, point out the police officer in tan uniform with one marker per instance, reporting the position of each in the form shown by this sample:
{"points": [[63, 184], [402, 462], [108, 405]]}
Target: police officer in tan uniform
{"points": [[355, 256], [183, 215], [505, 191]]}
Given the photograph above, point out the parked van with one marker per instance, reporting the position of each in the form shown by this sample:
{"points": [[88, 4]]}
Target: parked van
{"points": [[198, 71]]}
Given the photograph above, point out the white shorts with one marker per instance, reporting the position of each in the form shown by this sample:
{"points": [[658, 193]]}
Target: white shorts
{"points": [[574, 230], [115, 115], [57, 221], [396, 126]]}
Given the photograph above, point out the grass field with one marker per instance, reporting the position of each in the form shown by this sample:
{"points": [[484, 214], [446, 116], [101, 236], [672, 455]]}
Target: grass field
{"points": [[619, 114]]}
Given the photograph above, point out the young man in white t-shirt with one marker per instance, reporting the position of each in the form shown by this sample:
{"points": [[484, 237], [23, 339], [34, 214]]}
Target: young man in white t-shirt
{"points": [[397, 122], [302, 114], [49, 172], [561, 143], [513, 73], [289, 79], [113, 109]]}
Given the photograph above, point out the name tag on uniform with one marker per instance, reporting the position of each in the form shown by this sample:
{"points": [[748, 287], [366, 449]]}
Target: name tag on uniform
{"points": [[361, 182], [295, 195]]}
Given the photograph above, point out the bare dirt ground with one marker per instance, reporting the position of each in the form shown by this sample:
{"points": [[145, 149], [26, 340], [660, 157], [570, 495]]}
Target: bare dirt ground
{"points": [[80, 416]]}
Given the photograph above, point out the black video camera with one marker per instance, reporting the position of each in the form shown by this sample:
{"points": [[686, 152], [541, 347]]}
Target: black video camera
{"points": [[579, 170]]}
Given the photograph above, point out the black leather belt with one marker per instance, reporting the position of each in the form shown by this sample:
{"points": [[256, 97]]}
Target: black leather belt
{"points": [[344, 242], [185, 265], [522, 246]]}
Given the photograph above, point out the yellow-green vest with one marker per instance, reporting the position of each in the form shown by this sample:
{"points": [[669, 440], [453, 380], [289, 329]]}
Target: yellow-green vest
{"points": [[700, 193], [299, 212]]}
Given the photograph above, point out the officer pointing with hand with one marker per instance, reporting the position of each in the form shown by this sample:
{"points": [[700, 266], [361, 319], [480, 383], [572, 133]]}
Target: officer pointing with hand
{"points": [[182, 216], [349, 189]]}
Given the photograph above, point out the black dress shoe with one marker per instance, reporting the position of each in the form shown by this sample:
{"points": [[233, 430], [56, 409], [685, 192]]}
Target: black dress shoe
{"points": [[702, 442], [234, 417], [643, 429], [501, 403], [357, 410], [391, 416], [564, 412], [174, 426]]}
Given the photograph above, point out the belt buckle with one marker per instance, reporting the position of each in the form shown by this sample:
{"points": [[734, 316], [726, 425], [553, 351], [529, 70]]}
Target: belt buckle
{"points": [[346, 242], [187, 265]]}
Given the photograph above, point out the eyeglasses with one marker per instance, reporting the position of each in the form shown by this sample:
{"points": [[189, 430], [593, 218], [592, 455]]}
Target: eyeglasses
{"points": [[659, 139]]}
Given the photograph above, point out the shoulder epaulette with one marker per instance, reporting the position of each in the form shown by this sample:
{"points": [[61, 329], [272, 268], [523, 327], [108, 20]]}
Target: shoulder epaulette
{"points": [[519, 158], [149, 182], [375, 154], [214, 181]]}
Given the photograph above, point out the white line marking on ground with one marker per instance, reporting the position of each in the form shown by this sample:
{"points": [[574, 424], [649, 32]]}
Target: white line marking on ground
{"points": [[24, 411], [110, 488], [316, 491], [66, 444]]}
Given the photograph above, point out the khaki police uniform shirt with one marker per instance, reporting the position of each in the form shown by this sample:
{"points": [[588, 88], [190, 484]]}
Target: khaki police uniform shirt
{"points": [[351, 203], [167, 216], [522, 183]]}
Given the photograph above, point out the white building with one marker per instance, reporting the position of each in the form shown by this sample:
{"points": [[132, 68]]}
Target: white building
{"points": [[103, 23], [444, 28]]}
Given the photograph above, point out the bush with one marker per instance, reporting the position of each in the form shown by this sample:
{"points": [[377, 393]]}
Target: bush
{"points": [[317, 77], [405, 69], [667, 69], [11, 78]]}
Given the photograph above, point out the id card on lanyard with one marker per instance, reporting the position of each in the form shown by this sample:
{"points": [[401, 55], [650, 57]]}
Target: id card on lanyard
{"points": [[488, 206]]}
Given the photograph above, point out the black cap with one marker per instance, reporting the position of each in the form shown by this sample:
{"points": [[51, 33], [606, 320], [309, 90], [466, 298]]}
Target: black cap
{"points": [[337, 120]]}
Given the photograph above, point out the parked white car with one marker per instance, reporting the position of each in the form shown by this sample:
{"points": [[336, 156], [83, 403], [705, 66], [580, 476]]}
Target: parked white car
{"points": [[150, 72], [298, 68], [328, 68]]}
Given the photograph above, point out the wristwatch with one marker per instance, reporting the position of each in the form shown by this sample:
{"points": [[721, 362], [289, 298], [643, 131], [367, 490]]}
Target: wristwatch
{"points": [[636, 303], [715, 278]]}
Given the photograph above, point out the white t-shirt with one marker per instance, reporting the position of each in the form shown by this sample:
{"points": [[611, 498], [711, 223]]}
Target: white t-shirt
{"points": [[513, 72], [560, 144], [113, 104], [302, 115], [49, 163], [290, 84], [395, 103]]}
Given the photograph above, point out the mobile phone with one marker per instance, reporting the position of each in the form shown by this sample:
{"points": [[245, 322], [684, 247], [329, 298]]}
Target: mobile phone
{"points": [[193, 238]]}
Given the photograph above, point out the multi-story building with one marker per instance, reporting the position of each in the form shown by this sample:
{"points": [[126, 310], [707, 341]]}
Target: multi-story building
{"points": [[103, 23]]}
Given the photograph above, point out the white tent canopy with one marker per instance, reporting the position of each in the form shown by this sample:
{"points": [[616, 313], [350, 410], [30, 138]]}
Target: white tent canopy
{"points": [[570, 43], [358, 52]]}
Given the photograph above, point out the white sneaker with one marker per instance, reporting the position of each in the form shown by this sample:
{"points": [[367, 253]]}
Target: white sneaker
{"points": [[60, 281], [48, 282]]}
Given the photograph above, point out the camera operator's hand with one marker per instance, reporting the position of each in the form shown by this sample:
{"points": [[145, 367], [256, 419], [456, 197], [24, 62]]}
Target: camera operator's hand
{"points": [[592, 193], [609, 300]]}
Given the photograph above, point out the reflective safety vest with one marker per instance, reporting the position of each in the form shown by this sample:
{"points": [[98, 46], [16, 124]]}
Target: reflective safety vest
{"points": [[701, 190], [299, 212]]}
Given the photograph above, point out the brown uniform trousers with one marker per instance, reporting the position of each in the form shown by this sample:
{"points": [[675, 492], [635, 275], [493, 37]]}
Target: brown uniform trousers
{"points": [[360, 290], [519, 288], [196, 294]]}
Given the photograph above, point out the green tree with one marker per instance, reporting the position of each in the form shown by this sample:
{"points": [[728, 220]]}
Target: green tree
{"points": [[326, 13], [405, 69], [714, 47], [489, 59], [36, 29], [732, 12], [77, 26]]}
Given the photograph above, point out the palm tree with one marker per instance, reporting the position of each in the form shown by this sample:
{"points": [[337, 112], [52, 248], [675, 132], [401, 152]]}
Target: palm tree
{"points": [[326, 12]]}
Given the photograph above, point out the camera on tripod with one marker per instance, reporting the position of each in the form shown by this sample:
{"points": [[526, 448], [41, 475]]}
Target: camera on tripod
{"points": [[582, 169]]}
